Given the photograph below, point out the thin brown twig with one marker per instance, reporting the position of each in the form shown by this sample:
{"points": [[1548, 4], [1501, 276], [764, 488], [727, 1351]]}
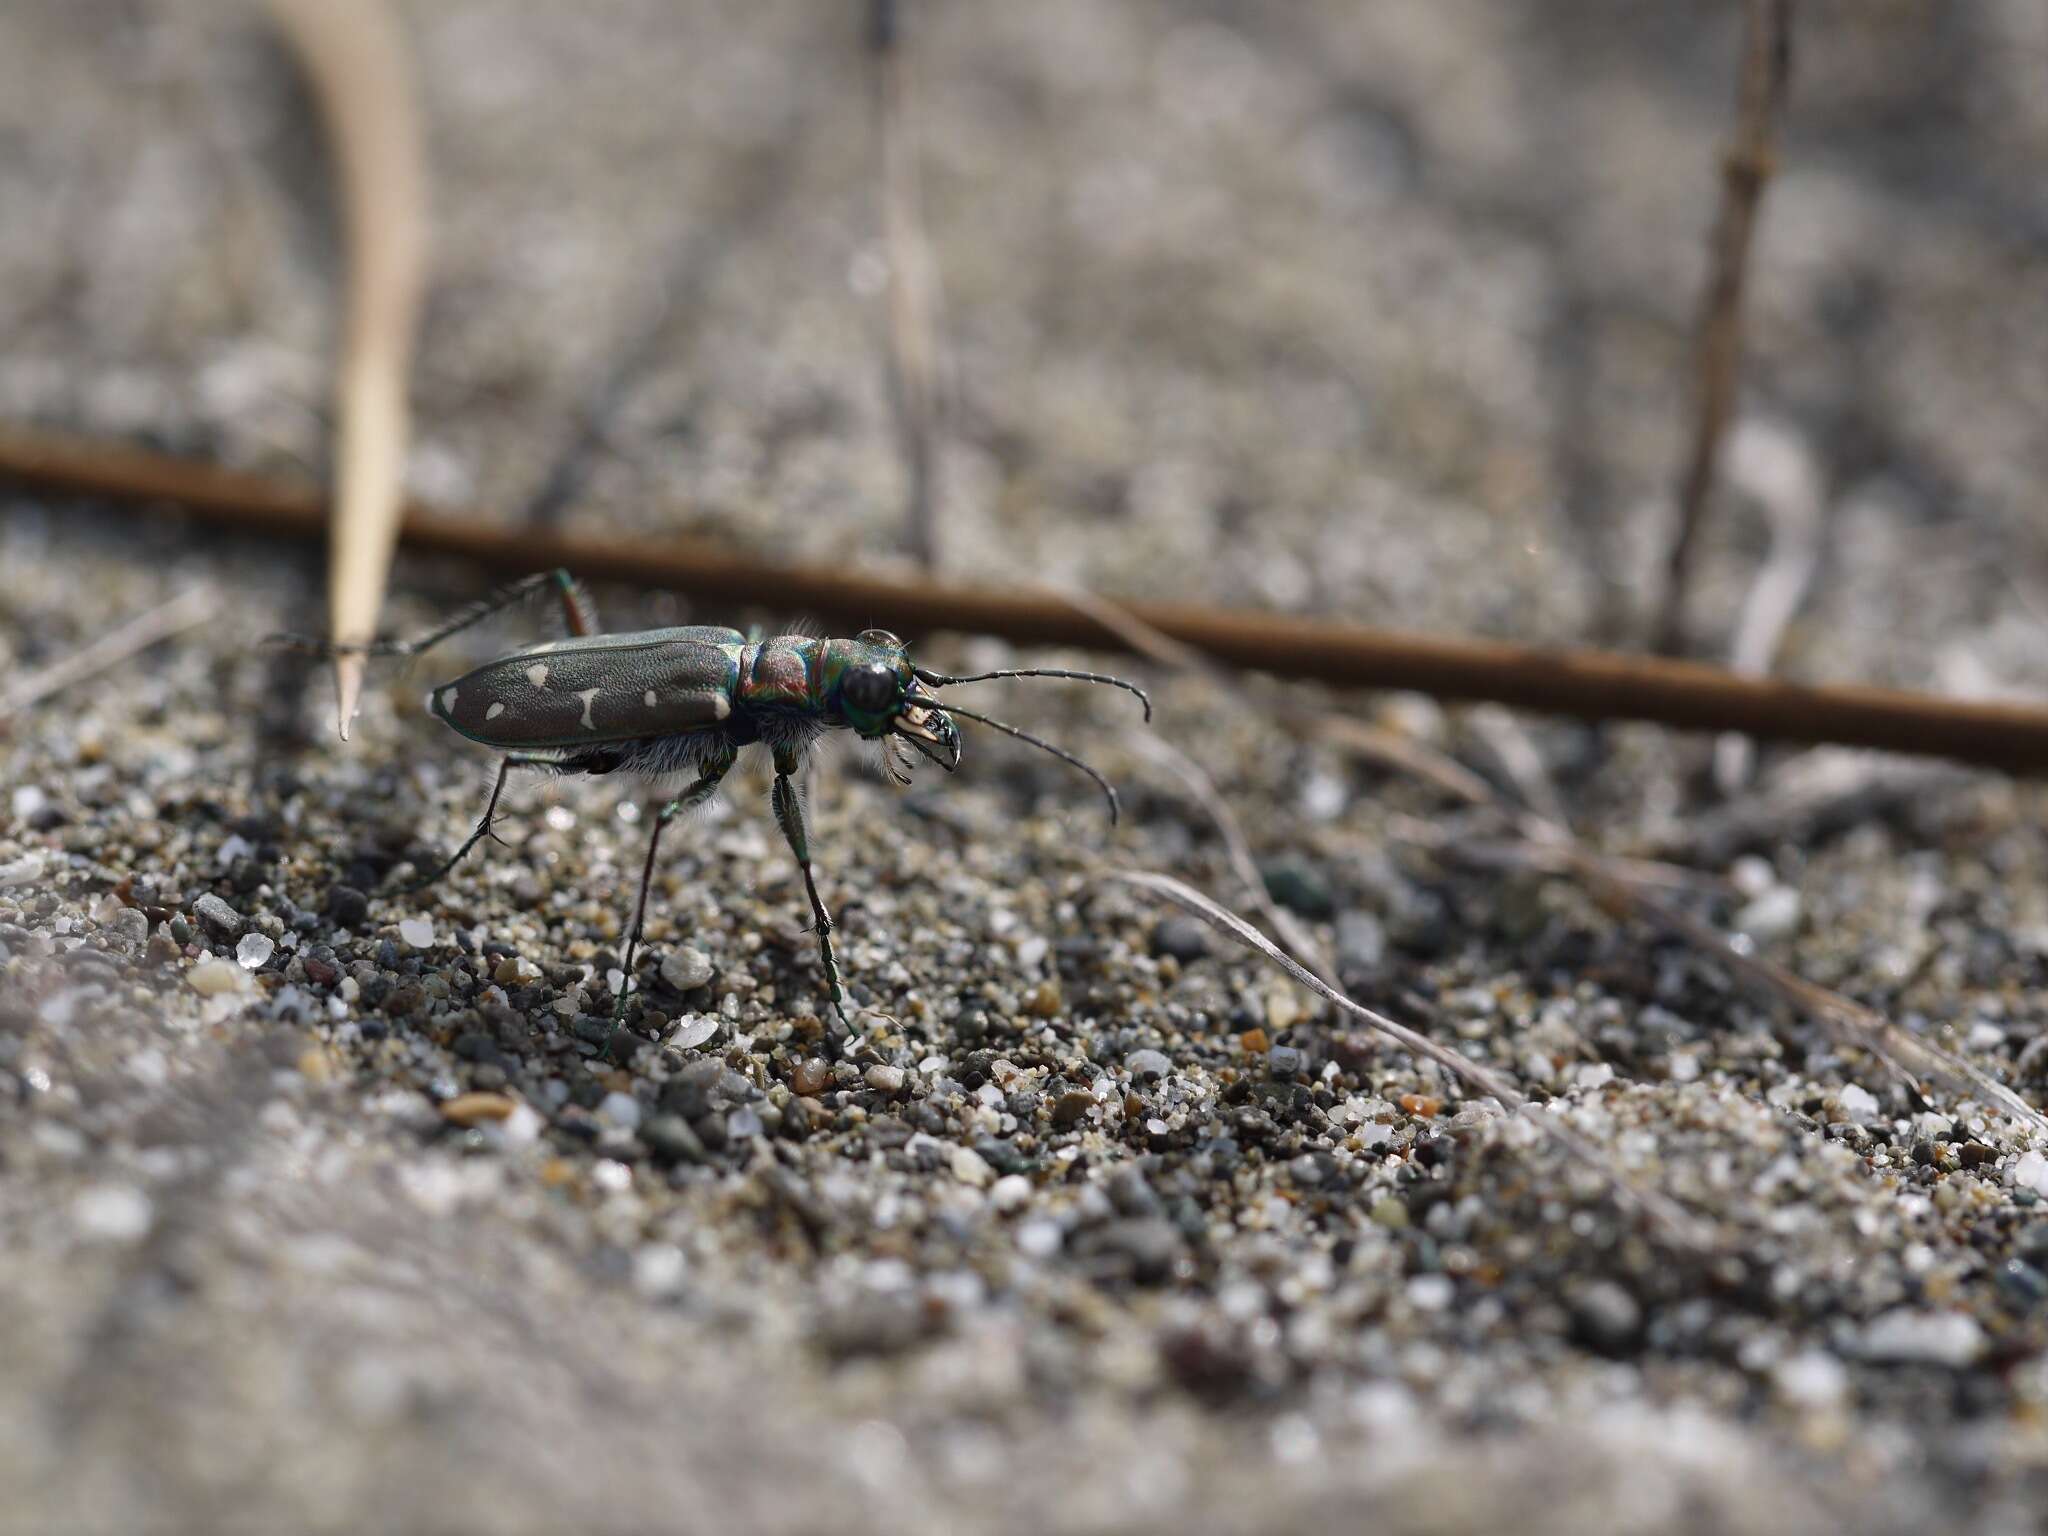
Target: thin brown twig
{"points": [[1593, 685], [355, 56], [1746, 167], [913, 292]]}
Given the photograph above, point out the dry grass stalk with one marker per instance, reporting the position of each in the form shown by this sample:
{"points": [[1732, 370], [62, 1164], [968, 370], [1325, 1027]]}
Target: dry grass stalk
{"points": [[131, 639], [913, 294], [1791, 496], [1745, 169], [1293, 934], [355, 56], [1674, 1219], [1593, 685]]}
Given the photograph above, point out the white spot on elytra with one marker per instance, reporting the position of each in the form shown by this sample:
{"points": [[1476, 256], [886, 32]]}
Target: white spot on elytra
{"points": [[447, 701], [647, 698], [537, 674], [589, 697], [494, 711]]}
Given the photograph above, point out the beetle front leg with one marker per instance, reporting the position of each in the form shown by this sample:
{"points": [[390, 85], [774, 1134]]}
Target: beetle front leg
{"points": [[789, 814], [706, 785], [576, 614]]}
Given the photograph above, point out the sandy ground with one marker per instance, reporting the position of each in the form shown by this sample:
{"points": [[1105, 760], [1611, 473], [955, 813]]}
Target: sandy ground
{"points": [[326, 1207]]}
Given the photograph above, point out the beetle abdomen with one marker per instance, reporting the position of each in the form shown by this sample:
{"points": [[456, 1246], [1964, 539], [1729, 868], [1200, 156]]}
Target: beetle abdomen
{"points": [[594, 688]]}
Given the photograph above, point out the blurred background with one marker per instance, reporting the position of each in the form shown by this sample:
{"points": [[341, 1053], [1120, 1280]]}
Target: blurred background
{"points": [[1382, 312]]}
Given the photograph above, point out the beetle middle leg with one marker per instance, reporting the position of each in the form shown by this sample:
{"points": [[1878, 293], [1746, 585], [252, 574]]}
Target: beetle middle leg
{"points": [[713, 770], [789, 815]]}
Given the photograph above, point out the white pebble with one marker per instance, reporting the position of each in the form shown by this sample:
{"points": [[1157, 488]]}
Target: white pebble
{"points": [[658, 1271], [1039, 1239], [622, 1109], [694, 1031], [1772, 916], [254, 951], [25, 870], [1857, 1106], [970, 1167], [1935, 1338], [210, 978], [1012, 1192], [2029, 1171], [1814, 1379], [113, 1213], [418, 932], [1431, 1293], [29, 799]]}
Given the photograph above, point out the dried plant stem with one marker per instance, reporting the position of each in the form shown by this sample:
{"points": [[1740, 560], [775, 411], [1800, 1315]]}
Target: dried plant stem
{"points": [[913, 292], [1202, 789], [355, 56], [1675, 1220], [1745, 169], [132, 638], [1593, 685]]}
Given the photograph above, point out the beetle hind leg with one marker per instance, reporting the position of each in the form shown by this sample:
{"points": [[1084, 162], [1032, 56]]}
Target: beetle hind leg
{"points": [[709, 775], [484, 827]]}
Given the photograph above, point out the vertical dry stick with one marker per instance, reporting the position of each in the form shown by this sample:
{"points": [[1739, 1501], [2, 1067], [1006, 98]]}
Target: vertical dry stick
{"points": [[913, 284], [1747, 165], [355, 56]]}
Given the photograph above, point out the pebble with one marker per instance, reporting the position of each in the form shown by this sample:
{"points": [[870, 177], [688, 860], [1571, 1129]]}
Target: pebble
{"points": [[969, 1167], [210, 978], [686, 969], [418, 932], [113, 1213], [1772, 916], [2029, 1171], [349, 907], [254, 951], [1361, 942], [694, 1031], [885, 1080], [474, 1108], [1184, 938], [1298, 886], [1012, 1192], [1811, 1379], [672, 1139], [25, 870], [1606, 1317], [1148, 1064], [1044, 1001], [1906, 1336], [622, 1109], [810, 1078], [217, 917], [1072, 1106], [1857, 1106]]}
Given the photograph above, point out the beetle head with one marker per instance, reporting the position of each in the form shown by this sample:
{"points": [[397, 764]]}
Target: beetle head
{"points": [[879, 695]]}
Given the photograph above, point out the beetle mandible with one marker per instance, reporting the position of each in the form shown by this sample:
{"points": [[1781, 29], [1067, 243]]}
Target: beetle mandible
{"points": [[664, 702]]}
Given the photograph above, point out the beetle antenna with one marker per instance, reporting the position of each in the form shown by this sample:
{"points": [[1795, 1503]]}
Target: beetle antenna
{"points": [[941, 680], [1045, 746]]}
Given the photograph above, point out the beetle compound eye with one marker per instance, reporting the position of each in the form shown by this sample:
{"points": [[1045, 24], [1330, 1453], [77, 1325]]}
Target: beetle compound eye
{"points": [[871, 688]]}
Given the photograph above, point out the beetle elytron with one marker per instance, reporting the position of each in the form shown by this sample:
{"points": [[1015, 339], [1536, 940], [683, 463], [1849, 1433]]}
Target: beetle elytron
{"points": [[686, 700]]}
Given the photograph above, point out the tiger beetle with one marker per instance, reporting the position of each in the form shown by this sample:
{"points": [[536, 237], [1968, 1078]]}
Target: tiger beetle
{"points": [[663, 702]]}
